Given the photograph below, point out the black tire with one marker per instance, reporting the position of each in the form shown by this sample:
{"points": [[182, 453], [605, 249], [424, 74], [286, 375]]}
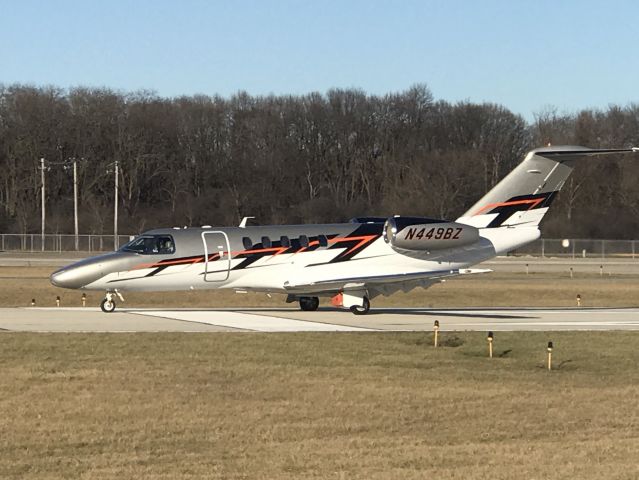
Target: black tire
{"points": [[363, 310], [107, 306], [309, 304]]}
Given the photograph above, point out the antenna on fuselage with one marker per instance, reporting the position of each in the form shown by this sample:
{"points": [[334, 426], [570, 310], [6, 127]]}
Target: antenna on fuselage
{"points": [[243, 222]]}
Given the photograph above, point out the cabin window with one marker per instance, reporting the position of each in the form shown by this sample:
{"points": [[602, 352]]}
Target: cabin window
{"points": [[322, 240], [248, 244], [266, 242], [285, 241], [151, 245], [304, 241]]}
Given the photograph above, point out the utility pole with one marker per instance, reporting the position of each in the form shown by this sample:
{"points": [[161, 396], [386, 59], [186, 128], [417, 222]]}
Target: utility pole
{"points": [[75, 203], [115, 209], [42, 194]]}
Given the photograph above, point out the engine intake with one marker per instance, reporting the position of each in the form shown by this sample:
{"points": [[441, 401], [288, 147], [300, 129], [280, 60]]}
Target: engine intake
{"points": [[425, 234]]}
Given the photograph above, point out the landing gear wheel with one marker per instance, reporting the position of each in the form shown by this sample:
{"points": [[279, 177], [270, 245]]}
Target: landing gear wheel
{"points": [[107, 305], [309, 304], [363, 310]]}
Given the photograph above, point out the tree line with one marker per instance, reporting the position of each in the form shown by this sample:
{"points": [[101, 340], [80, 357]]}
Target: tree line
{"points": [[197, 160]]}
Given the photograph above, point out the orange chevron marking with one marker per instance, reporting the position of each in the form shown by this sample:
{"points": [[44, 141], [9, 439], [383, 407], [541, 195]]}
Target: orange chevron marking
{"points": [[314, 242], [259, 250], [533, 203], [362, 241], [275, 250], [164, 263]]}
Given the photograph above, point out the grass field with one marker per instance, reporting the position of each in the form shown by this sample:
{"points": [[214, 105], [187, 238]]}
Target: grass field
{"points": [[290, 406], [21, 284]]}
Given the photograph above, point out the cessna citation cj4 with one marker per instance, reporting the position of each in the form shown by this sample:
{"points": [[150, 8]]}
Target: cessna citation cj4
{"points": [[350, 262]]}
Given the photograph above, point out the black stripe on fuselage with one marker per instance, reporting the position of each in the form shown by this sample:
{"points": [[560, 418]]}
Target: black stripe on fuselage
{"points": [[356, 241], [352, 243], [157, 270], [258, 250]]}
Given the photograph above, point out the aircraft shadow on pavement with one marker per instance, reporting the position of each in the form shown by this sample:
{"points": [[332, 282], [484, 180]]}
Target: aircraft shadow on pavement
{"points": [[440, 313], [419, 311]]}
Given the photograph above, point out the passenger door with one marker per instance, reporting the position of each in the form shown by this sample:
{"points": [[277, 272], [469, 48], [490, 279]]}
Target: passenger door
{"points": [[217, 256]]}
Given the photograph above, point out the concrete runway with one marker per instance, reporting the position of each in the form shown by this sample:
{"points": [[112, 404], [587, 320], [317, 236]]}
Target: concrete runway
{"points": [[325, 320]]}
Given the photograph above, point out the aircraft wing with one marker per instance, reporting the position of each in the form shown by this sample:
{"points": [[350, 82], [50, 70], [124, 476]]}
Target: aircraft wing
{"points": [[379, 282]]}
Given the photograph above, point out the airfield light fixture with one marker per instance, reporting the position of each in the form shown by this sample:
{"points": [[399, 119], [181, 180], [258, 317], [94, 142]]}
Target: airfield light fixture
{"points": [[490, 338]]}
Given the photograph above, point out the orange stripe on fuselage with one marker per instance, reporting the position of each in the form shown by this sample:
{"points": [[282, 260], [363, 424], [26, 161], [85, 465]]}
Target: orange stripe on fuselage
{"points": [[276, 251], [314, 242], [258, 250], [162, 263]]}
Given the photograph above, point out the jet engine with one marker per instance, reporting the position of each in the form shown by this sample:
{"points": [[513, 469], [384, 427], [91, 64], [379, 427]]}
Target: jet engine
{"points": [[426, 234]]}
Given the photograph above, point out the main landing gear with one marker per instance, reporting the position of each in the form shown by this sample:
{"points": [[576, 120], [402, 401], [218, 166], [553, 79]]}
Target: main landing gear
{"points": [[361, 309], [356, 301], [108, 304], [309, 304]]}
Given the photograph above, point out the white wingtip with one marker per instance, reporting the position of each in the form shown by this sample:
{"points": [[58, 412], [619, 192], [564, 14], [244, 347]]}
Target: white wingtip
{"points": [[472, 271]]}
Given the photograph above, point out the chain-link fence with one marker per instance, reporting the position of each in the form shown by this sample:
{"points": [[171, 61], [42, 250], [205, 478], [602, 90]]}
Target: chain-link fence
{"points": [[579, 248], [34, 242]]}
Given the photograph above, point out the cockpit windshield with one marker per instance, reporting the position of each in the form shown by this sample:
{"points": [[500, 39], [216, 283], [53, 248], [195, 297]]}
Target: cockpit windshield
{"points": [[151, 245]]}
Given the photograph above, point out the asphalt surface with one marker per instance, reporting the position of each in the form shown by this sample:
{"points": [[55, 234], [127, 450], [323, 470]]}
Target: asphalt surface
{"points": [[325, 320]]}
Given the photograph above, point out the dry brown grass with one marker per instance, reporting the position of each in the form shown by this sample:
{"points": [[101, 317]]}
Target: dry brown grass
{"points": [[21, 284], [289, 406]]}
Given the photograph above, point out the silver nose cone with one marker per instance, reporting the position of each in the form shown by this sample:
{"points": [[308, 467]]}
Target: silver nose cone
{"points": [[77, 275], [70, 278]]}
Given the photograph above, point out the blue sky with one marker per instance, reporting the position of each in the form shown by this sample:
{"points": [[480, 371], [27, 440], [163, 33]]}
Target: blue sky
{"points": [[526, 55]]}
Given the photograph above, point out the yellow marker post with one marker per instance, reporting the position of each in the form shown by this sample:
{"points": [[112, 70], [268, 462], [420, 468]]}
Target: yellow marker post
{"points": [[578, 300], [550, 355], [436, 329], [57, 301], [84, 299], [490, 344]]}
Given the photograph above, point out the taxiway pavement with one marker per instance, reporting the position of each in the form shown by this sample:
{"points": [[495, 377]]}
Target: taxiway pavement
{"points": [[324, 320]]}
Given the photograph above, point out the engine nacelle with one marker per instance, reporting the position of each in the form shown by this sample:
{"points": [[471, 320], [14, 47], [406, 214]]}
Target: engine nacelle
{"points": [[425, 234]]}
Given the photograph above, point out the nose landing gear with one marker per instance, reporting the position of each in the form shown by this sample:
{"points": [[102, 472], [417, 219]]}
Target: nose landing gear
{"points": [[108, 304]]}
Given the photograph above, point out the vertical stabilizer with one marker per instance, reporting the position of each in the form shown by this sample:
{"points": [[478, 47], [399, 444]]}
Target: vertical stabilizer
{"points": [[523, 197]]}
